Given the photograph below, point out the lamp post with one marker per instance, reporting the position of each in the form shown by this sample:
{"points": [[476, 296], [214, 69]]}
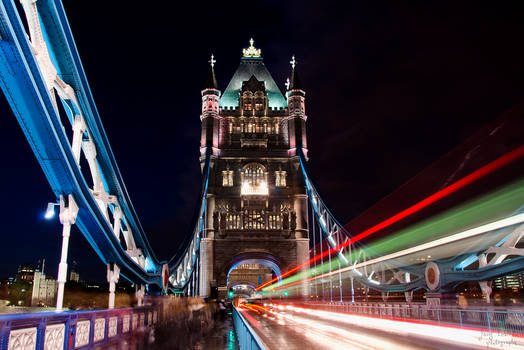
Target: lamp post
{"points": [[68, 213]]}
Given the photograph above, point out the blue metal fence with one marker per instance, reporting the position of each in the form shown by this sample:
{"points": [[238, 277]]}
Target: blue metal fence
{"points": [[73, 329], [247, 338]]}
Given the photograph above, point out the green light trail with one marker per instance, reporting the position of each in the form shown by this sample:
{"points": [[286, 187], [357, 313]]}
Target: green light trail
{"points": [[496, 205]]}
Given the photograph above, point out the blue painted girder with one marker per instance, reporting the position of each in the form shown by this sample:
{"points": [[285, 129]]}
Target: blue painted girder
{"points": [[27, 94]]}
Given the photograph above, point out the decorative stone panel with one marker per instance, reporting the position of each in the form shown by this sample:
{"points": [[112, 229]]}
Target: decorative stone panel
{"points": [[126, 323], [54, 337], [142, 320], [100, 328], [82, 333], [112, 330], [135, 321], [22, 339], [155, 317], [149, 318]]}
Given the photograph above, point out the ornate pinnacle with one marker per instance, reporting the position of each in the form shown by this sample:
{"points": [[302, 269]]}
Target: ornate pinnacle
{"points": [[251, 51], [287, 83], [212, 61], [293, 62]]}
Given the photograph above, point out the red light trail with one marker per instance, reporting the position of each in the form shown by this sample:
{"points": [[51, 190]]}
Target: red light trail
{"points": [[459, 184]]}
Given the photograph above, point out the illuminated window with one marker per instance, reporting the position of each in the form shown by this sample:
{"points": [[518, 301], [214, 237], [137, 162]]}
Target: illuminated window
{"points": [[280, 178], [227, 178], [233, 221], [259, 106], [254, 220], [254, 180], [275, 221], [230, 127]]}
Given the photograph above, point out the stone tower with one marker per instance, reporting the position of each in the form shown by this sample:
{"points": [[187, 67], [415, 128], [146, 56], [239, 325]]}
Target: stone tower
{"points": [[257, 203]]}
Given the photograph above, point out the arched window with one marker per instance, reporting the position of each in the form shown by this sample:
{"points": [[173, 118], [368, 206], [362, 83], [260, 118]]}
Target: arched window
{"points": [[254, 179]]}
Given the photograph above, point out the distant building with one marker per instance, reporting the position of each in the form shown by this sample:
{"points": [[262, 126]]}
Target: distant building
{"points": [[74, 276], [510, 281], [44, 290], [25, 272]]}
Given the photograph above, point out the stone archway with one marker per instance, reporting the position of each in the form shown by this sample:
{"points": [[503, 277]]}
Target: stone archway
{"points": [[253, 271], [275, 266], [218, 256]]}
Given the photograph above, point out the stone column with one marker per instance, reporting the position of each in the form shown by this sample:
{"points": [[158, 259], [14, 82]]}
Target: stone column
{"points": [[210, 232], [300, 206], [206, 266], [302, 257]]}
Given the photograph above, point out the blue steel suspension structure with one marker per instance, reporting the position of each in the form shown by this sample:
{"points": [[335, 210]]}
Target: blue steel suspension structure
{"points": [[184, 267], [42, 76]]}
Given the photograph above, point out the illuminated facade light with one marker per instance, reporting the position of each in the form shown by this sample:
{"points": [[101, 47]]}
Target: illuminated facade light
{"points": [[257, 190]]}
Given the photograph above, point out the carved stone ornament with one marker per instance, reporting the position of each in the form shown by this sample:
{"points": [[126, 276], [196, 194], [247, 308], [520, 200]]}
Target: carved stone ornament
{"points": [[135, 321], [100, 326], [22, 339], [126, 323], [215, 220], [222, 221], [293, 220], [112, 329], [82, 333], [285, 220], [54, 337]]}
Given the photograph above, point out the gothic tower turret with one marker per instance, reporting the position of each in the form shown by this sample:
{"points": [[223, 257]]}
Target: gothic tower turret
{"points": [[256, 200], [210, 113], [296, 99]]}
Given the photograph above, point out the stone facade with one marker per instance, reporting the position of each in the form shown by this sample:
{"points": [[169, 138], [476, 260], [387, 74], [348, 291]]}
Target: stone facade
{"points": [[257, 203], [44, 290]]}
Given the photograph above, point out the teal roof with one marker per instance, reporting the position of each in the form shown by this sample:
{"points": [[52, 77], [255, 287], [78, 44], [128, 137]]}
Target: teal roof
{"points": [[246, 69]]}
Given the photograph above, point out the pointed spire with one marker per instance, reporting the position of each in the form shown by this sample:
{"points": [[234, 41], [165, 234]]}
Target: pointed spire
{"points": [[295, 81], [211, 82]]}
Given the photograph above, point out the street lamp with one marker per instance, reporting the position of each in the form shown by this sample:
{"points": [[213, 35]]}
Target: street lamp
{"points": [[68, 213], [50, 211]]}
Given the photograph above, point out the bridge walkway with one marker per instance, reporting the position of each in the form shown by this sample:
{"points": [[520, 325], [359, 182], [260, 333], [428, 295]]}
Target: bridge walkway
{"points": [[218, 335], [287, 329]]}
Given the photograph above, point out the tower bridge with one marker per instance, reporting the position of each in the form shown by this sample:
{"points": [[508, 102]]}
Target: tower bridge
{"points": [[261, 223], [256, 199]]}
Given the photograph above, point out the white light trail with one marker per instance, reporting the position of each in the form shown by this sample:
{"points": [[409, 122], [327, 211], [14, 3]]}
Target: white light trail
{"points": [[496, 225], [458, 336]]}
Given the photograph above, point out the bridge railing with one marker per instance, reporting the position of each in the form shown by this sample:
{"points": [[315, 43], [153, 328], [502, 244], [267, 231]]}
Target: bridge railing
{"points": [[247, 338], [73, 329], [501, 321]]}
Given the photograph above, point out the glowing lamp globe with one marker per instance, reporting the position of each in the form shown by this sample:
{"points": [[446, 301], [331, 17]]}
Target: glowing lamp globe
{"points": [[50, 212]]}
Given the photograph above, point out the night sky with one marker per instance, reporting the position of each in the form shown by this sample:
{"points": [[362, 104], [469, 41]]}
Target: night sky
{"points": [[390, 89]]}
